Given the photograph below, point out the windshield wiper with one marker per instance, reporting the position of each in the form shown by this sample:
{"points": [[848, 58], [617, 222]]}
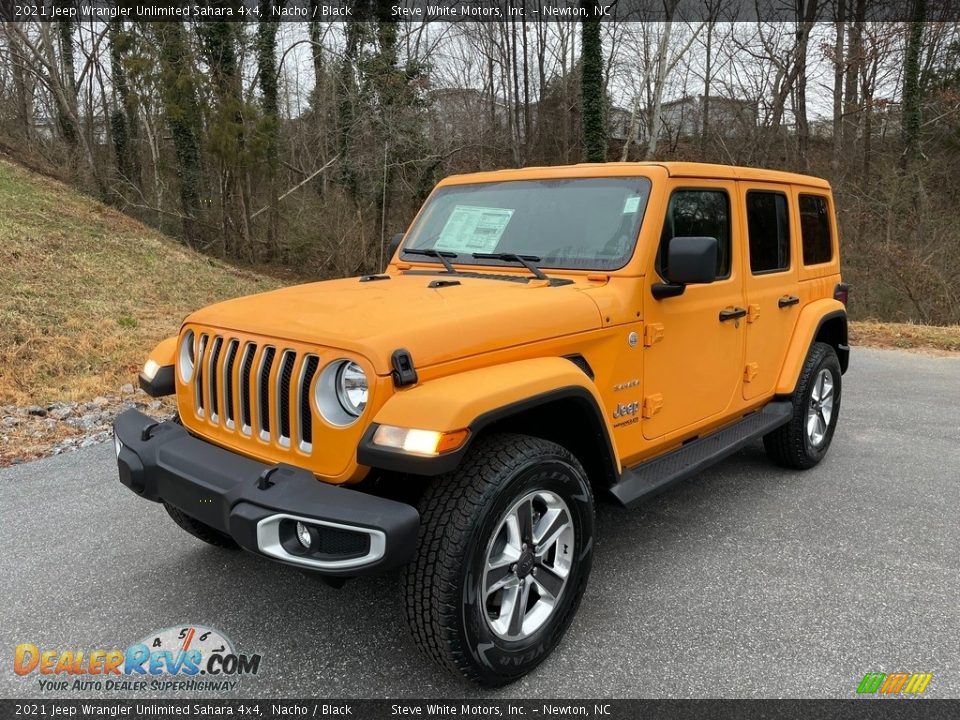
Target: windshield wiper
{"points": [[440, 255], [526, 260]]}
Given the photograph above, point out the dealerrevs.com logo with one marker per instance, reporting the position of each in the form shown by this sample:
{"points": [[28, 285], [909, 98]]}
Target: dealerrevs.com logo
{"points": [[188, 657]]}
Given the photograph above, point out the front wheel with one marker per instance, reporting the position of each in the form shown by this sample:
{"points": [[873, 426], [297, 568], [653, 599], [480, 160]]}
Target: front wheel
{"points": [[505, 549]]}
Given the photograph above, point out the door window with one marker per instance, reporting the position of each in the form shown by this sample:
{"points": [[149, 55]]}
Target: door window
{"points": [[697, 213], [768, 228]]}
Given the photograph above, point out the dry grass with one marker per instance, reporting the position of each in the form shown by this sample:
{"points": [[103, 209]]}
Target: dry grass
{"points": [[85, 291], [906, 336]]}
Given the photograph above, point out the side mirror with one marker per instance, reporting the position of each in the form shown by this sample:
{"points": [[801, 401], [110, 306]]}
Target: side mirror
{"points": [[690, 261], [393, 245]]}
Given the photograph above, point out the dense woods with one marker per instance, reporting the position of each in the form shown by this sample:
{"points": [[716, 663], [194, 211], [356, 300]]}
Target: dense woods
{"points": [[308, 145]]}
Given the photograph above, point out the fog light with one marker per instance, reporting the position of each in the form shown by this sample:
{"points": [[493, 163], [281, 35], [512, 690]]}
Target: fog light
{"points": [[303, 535]]}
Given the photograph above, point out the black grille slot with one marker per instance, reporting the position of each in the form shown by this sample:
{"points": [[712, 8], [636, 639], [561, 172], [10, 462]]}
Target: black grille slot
{"points": [[283, 387], [199, 390], [264, 386], [228, 379], [306, 414], [212, 377], [245, 371], [338, 542]]}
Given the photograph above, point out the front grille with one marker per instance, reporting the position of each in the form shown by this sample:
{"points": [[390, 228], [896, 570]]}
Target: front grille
{"points": [[258, 390]]}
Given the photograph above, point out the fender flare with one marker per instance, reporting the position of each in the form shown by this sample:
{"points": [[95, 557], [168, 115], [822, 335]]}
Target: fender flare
{"points": [[478, 399], [162, 383], [811, 320]]}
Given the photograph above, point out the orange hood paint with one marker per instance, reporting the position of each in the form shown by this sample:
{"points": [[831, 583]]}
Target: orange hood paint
{"points": [[436, 325]]}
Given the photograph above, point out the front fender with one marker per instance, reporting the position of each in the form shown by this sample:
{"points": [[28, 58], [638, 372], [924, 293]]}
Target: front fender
{"points": [[476, 399], [808, 324]]}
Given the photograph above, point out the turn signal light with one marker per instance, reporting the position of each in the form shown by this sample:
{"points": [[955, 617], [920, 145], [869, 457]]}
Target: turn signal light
{"points": [[419, 442]]}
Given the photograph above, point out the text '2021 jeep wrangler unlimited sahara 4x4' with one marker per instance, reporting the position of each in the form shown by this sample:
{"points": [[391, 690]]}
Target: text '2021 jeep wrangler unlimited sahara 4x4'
{"points": [[543, 335]]}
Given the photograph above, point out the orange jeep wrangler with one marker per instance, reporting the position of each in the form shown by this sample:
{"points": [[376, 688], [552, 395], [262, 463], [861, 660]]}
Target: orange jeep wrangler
{"points": [[540, 338]]}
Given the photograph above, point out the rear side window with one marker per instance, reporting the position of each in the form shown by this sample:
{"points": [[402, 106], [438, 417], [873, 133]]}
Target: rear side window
{"points": [[697, 213], [815, 229], [768, 226]]}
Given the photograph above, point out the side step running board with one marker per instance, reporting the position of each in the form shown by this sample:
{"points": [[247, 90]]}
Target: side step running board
{"points": [[654, 476]]}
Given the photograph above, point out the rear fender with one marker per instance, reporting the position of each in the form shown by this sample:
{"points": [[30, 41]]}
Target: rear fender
{"points": [[824, 320]]}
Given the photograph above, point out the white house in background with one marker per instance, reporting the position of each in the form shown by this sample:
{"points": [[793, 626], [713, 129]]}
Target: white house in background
{"points": [[727, 116]]}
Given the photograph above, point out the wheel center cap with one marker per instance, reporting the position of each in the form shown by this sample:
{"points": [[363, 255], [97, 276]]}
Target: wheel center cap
{"points": [[525, 564]]}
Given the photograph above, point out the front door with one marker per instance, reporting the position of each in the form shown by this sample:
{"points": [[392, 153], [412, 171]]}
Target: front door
{"points": [[693, 359], [772, 284]]}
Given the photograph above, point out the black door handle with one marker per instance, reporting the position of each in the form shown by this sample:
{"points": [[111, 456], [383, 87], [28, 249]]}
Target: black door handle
{"points": [[732, 314], [787, 301]]}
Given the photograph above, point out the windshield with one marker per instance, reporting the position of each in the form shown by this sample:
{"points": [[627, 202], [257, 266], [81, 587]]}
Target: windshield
{"points": [[580, 224]]}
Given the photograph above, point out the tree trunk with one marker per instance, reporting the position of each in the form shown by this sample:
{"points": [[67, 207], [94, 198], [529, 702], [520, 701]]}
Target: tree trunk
{"points": [[838, 63], [656, 122], [851, 104], [68, 116], [705, 105], [124, 123], [912, 96], [182, 111], [805, 15], [23, 91], [267, 70], [591, 92]]}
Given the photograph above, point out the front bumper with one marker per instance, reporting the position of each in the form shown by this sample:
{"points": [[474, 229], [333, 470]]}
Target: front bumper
{"points": [[259, 505]]}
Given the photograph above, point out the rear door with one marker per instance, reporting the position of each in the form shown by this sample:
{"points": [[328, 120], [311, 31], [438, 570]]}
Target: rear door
{"points": [[693, 360], [771, 282]]}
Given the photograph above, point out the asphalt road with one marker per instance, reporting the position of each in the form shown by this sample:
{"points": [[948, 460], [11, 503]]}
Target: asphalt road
{"points": [[748, 581]]}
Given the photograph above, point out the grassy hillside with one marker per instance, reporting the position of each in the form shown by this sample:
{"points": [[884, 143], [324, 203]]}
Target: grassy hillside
{"points": [[86, 291]]}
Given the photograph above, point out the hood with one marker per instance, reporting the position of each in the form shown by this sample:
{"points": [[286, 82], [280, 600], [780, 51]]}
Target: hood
{"points": [[435, 324]]}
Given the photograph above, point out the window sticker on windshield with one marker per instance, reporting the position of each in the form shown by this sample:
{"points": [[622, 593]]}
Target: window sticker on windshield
{"points": [[631, 205], [473, 229]]}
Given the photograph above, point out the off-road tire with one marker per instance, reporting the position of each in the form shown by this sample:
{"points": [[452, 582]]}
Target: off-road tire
{"points": [[459, 512], [789, 445], [200, 530]]}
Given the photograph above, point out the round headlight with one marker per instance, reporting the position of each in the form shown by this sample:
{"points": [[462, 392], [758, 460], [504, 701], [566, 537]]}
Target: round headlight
{"points": [[341, 392], [185, 358], [352, 388]]}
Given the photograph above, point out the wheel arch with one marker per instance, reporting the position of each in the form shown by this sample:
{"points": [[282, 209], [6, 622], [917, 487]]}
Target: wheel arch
{"points": [[820, 321], [569, 417], [550, 398]]}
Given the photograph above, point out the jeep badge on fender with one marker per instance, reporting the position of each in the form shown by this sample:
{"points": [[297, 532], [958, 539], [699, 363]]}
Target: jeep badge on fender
{"points": [[457, 415]]}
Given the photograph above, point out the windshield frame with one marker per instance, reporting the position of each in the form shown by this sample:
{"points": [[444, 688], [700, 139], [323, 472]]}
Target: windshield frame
{"points": [[466, 260]]}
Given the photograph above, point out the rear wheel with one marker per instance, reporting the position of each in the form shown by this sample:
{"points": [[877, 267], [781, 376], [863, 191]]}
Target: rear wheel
{"points": [[804, 441], [200, 530], [504, 554]]}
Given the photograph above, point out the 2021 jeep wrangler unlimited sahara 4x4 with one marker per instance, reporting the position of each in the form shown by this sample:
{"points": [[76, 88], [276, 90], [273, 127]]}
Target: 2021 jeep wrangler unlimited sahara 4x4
{"points": [[540, 337]]}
